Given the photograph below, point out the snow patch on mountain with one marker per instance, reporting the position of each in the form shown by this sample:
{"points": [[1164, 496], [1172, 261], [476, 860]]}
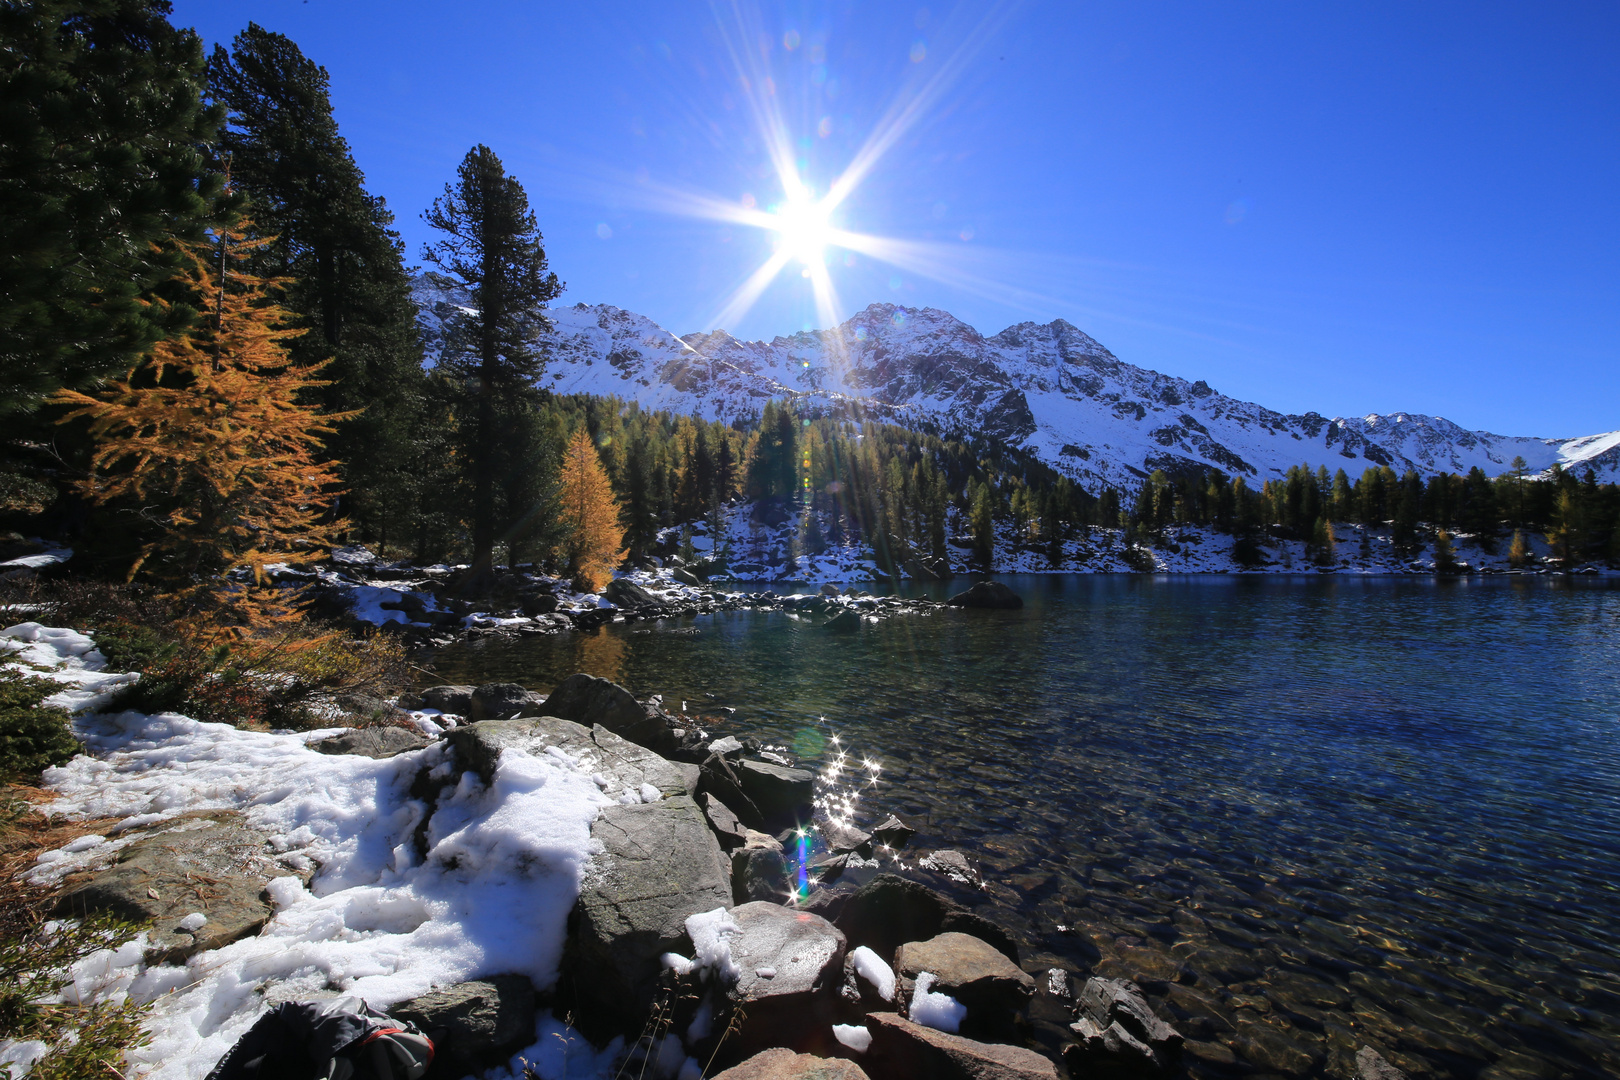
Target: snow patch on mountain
{"points": [[1050, 387]]}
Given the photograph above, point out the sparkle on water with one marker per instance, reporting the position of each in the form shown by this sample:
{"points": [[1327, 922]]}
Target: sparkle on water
{"points": [[1307, 814]]}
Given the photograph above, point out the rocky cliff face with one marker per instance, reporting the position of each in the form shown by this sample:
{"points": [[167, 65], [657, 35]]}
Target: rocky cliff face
{"points": [[1047, 386]]}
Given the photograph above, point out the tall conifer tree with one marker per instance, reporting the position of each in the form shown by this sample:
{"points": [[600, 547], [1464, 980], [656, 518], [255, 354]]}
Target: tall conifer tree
{"points": [[346, 263], [101, 166], [492, 248]]}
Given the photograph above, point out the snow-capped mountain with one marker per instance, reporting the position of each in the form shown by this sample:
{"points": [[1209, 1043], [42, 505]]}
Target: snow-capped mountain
{"points": [[1046, 386]]}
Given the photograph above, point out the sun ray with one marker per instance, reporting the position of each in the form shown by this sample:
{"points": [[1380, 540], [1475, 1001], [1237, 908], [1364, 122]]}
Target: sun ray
{"points": [[749, 291]]}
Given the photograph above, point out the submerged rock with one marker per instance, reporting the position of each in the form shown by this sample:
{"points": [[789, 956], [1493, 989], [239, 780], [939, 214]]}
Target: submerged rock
{"points": [[1118, 1032], [1370, 1065], [987, 594]]}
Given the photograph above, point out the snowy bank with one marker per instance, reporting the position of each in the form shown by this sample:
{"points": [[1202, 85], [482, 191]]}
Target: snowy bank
{"points": [[502, 868]]}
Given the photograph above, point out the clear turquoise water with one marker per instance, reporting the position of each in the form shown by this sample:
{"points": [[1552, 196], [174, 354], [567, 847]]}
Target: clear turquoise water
{"points": [[1307, 813]]}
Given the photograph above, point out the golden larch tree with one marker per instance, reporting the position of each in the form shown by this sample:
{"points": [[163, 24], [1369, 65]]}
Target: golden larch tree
{"points": [[595, 541], [209, 437]]}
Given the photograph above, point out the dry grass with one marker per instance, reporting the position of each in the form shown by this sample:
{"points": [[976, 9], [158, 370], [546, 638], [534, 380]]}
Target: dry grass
{"points": [[25, 832]]}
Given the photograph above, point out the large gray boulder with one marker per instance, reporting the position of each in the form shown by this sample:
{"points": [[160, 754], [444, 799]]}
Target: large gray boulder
{"points": [[586, 699], [659, 863], [901, 1048], [782, 1064], [372, 742], [759, 869], [625, 766], [474, 1025], [1118, 1033], [782, 794], [502, 701], [627, 594], [987, 594], [161, 877], [967, 969], [731, 832], [791, 963], [450, 698]]}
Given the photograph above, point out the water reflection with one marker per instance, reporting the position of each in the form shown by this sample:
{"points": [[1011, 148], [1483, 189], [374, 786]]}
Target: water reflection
{"points": [[1307, 814]]}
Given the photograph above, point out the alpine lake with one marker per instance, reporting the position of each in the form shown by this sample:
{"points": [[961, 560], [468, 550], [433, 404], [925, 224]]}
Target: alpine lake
{"points": [[1304, 813]]}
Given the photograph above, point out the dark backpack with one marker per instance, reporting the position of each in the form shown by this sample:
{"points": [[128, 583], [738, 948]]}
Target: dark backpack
{"points": [[341, 1039]]}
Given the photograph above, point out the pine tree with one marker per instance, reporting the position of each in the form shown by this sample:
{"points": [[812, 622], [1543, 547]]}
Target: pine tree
{"points": [[595, 540], [494, 249], [346, 264], [101, 170], [210, 433], [982, 516], [1566, 535]]}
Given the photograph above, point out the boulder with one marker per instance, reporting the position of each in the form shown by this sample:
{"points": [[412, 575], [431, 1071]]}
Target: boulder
{"points": [[474, 1025], [627, 594], [791, 964], [586, 699], [210, 863], [372, 742], [686, 577], [892, 832], [781, 794], [781, 1064], [969, 970], [901, 1048], [759, 869], [731, 832], [987, 594], [1118, 1033], [717, 776], [625, 766], [1370, 1065], [448, 698], [538, 604], [659, 863], [841, 838], [889, 911], [828, 902], [829, 589], [502, 701], [843, 622]]}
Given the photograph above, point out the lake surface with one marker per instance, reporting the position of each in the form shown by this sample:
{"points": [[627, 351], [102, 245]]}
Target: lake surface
{"points": [[1307, 814]]}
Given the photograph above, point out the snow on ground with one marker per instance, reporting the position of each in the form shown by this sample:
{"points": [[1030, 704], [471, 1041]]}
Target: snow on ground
{"points": [[502, 870]]}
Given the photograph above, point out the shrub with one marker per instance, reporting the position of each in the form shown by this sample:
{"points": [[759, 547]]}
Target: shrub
{"points": [[33, 736], [84, 1037]]}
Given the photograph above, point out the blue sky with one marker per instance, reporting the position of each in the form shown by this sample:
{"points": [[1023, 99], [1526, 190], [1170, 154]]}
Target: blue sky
{"points": [[1349, 208]]}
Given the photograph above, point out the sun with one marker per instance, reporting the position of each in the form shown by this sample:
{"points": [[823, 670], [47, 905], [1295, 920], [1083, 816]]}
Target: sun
{"points": [[802, 228]]}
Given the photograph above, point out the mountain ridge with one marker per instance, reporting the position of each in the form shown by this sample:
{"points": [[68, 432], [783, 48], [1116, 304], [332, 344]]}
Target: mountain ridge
{"points": [[1047, 386]]}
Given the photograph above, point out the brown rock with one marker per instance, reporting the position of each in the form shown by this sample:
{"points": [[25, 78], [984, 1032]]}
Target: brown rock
{"points": [[791, 964], [901, 1048], [782, 1064], [969, 970], [207, 862]]}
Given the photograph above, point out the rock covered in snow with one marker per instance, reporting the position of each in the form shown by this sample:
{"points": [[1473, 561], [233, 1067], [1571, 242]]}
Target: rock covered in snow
{"points": [[371, 742]]}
